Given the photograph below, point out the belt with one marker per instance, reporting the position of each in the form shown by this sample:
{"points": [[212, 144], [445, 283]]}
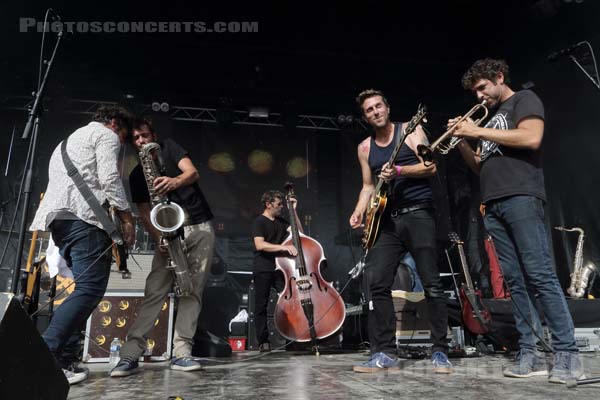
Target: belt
{"points": [[421, 206]]}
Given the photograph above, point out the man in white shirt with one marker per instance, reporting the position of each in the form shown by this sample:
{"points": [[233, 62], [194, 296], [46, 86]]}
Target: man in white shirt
{"points": [[83, 242]]}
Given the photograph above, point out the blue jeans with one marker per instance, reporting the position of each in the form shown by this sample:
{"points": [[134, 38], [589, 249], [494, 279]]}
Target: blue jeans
{"points": [[516, 224], [80, 245]]}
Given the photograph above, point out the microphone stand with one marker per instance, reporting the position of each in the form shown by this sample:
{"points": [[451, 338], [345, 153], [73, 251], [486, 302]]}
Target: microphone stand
{"points": [[32, 127], [572, 57]]}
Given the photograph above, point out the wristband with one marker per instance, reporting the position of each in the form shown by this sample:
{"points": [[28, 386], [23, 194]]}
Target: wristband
{"points": [[398, 169]]}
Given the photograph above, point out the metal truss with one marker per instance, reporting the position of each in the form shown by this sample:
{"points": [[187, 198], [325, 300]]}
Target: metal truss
{"points": [[199, 114]]}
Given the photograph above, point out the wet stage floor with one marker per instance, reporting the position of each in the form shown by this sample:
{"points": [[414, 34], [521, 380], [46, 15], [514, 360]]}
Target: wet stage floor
{"points": [[293, 375]]}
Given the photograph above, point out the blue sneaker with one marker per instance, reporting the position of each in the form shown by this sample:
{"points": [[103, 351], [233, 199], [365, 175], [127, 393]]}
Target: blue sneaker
{"points": [[567, 368], [187, 363], [528, 363], [441, 365], [378, 362]]}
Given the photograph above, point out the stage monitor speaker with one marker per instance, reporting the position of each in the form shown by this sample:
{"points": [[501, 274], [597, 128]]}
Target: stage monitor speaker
{"points": [[28, 369]]}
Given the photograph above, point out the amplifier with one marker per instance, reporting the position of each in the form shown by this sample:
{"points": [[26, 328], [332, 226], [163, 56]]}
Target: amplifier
{"points": [[113, 318], [587, 339]]}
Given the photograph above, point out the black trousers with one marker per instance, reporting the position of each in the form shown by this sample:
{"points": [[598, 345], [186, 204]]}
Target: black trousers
{"points": [[263, 282], [414, 232]]}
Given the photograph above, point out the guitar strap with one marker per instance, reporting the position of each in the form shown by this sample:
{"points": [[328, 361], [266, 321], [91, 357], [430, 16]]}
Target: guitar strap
{"points": [[89, 197], [397, 128], [397, 138]]}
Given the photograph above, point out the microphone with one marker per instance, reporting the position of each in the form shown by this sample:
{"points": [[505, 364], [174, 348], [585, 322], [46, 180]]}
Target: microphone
{"points": [[563, 52]]}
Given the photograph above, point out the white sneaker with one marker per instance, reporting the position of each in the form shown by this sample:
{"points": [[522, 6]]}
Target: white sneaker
{"points": [[74, 377]]}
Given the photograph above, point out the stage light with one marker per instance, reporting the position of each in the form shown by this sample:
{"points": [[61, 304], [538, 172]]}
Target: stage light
{"points": [[160, 106], [344, 119], [260, 161], [528, 85], [258, 112]]}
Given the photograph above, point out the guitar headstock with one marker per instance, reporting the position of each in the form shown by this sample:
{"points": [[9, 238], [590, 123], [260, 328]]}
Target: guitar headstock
{"points": [[454, 238], [416, 119]]}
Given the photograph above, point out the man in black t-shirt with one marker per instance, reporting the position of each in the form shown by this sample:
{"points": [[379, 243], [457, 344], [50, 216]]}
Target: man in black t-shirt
{"points": [[269, 230], [180, 185], [508, 161]]}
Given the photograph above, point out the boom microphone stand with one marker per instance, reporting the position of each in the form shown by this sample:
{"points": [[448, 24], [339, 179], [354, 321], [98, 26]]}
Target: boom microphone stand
{"points": [[32, 125]]}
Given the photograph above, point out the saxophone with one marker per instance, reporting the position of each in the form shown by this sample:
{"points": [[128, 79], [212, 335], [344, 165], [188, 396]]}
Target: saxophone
{"points": [[168, 218], [580, 278]]}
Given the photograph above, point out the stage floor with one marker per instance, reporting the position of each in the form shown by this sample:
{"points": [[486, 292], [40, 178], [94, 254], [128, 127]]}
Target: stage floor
{"points": [[292, 375]]}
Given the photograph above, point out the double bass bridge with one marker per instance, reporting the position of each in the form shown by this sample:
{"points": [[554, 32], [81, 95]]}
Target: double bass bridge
{"points": [[304, 285]]}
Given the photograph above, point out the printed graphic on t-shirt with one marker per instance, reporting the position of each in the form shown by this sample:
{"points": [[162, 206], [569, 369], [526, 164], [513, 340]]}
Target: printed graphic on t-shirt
{"points": [[488, 147]]}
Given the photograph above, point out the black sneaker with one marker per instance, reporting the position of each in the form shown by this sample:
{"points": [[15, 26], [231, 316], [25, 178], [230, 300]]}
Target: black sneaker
{"points": [[125, 367], [79, 369], [264, 347]]}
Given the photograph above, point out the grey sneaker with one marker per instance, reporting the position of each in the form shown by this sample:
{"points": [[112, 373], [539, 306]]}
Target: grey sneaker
{"points": [[567, 367], [188, 363], [125, 367], [528, 363], [74, 377]]}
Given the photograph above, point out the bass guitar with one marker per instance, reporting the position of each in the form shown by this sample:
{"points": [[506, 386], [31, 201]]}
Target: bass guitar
{"points": [[475, 315], [380, 195]]}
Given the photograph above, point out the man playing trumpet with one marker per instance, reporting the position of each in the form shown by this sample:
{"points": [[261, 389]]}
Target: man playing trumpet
{"points": [[508, 161]]}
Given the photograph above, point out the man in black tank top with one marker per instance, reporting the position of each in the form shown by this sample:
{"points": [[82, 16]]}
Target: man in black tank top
{"points": [[508, 161], [407, 225]]}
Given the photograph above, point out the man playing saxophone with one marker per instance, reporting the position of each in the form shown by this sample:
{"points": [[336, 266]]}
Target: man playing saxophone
{"points": [[180, 184]]}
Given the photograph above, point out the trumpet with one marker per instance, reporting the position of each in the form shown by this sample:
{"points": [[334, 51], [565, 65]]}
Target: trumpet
{"points": [[426, 152]]}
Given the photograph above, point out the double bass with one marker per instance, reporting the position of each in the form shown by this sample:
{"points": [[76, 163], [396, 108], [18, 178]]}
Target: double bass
{"points": [[309, 308]]}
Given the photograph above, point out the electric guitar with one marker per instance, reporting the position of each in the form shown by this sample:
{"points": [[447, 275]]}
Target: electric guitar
{"points": [[379, 199], [475, 315]]}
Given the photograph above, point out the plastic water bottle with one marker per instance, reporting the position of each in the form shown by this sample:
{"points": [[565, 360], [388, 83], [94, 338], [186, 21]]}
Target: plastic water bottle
{"points": [[115, 348]]}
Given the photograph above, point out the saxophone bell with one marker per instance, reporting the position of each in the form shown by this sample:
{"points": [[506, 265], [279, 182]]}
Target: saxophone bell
{"points": [[167, 218]]}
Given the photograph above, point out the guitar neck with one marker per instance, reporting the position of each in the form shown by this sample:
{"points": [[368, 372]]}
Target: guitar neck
{"points": [[465, 266]]}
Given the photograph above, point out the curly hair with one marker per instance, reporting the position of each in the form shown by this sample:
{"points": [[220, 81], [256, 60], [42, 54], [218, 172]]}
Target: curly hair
{"points": [[487, 68], [366, 94], [270, 196], [139, 122], [107, 113]]}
